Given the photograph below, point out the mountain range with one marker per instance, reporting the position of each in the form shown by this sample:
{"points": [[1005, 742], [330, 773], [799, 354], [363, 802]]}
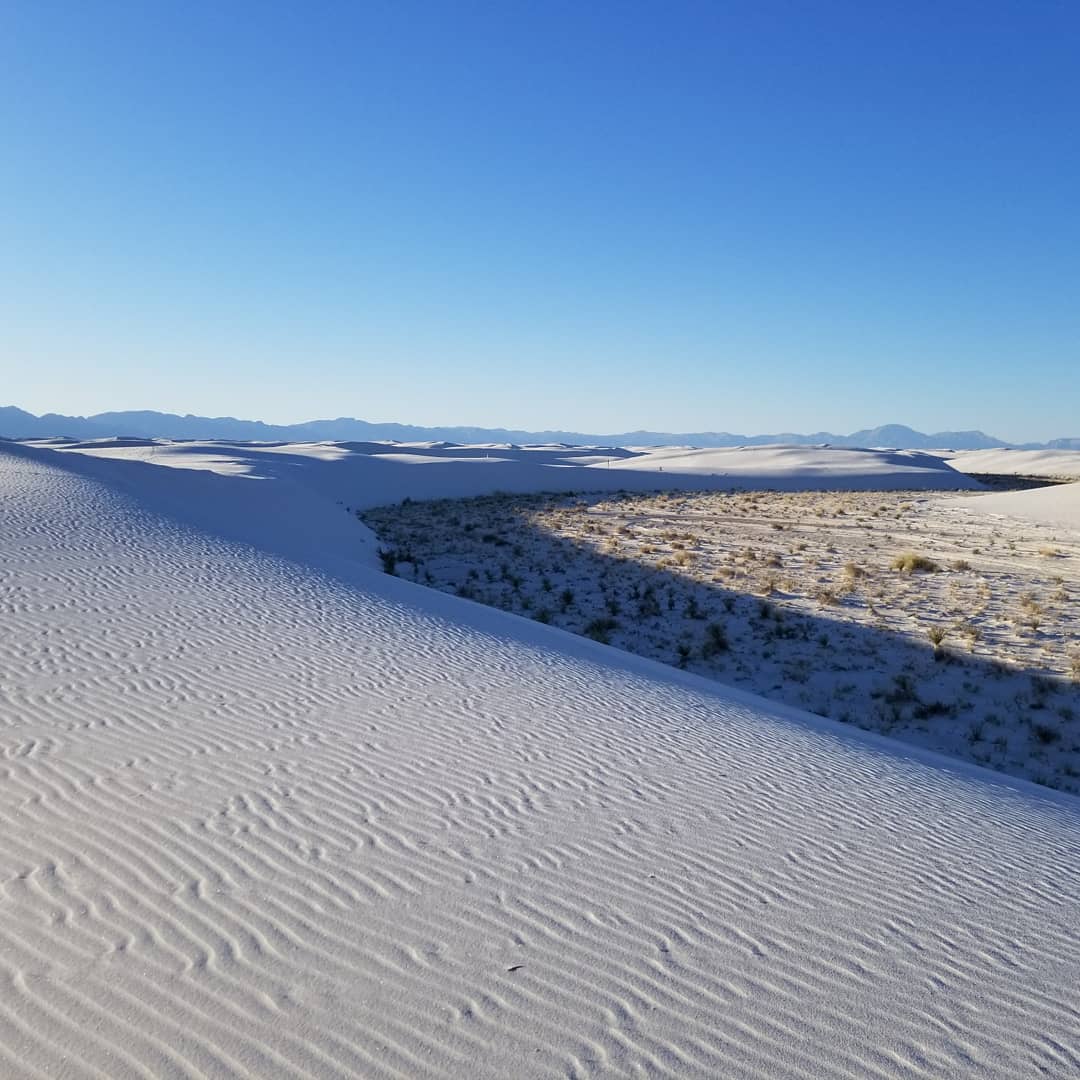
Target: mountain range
{"points": [[18, 424]]}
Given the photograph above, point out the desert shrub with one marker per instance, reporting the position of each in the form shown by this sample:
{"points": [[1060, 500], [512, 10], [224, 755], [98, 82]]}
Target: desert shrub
{"points": [[716, 641], [388, 558], [960, 564], [1041, 685], [648, 605], [693, 608], [1045, 734], [936, 634], [601, 629], [903, 691], [910, 562], [927, 710]]}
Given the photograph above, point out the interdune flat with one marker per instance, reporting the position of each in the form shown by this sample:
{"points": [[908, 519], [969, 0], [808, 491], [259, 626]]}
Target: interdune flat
{"points": [[269, 813]]}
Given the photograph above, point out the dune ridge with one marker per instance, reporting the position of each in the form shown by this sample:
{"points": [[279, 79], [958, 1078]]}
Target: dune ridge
{"points": [[273, 816]]}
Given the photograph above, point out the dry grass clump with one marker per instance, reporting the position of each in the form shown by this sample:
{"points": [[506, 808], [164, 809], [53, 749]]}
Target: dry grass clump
{"points": [[1031, 612], [910, 562], [1050, 552]]}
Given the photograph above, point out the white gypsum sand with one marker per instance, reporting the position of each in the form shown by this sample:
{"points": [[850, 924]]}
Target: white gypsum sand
{"points": [[1062, 464], [268, 813]]}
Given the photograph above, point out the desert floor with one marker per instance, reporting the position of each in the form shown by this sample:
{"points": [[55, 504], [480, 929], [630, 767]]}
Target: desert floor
{"points": [[902, 612]]}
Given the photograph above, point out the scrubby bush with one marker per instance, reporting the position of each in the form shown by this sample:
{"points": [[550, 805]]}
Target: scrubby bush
{"points": [[1045, 734], [716, 641], [601, 629], [910, 562]]}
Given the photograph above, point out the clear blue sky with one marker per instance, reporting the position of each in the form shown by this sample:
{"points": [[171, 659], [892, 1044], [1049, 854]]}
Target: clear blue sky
{"points": [[742, 216]]}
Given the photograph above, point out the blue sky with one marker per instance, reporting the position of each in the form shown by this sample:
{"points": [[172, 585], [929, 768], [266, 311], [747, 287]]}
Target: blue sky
{"points": [[679, 216]]}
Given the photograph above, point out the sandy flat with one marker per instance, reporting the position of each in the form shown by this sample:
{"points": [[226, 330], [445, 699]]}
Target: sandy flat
{"points": [[269, 813]]}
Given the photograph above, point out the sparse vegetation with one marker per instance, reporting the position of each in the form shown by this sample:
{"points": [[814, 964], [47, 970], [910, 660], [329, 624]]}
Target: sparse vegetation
{"points": [[650, 573], [910, 562], [601, 629]]}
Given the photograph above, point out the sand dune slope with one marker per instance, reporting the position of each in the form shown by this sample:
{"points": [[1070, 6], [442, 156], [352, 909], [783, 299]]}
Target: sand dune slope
{"points": [[1062, 463], [258, 819], [1057, 505]]}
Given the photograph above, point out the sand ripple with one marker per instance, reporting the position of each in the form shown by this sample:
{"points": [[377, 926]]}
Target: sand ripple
{"points": [[259, 821]]}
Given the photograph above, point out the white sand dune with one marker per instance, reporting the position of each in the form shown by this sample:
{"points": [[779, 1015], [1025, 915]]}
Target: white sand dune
{"points": [[1057, 463], [802, 468], [269, 813], [1057, 505], [372, 474]]}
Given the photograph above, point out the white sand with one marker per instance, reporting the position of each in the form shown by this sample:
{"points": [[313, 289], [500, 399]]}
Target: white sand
{"points": [[1056, 463], [1057, 505], [373, 474], [268, 813]]}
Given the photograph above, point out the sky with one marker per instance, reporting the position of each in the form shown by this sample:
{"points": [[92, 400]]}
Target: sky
{"points": [[749, 217]]}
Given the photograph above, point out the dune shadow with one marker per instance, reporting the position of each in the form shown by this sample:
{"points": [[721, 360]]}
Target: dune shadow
{"points": [[781, 643]]}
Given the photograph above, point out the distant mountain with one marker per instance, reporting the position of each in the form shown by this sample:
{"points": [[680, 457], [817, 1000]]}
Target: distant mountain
{"points": [[18, 424]]}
